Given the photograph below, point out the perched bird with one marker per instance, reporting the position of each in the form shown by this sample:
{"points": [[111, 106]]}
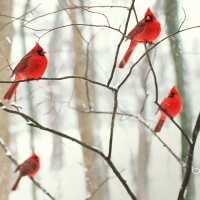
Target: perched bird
{"points": [[172, 104], [31, 66], [29, 167], [147, 30]]}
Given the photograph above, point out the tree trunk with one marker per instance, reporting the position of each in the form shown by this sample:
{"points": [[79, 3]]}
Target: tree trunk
{"points": [[144, 139], [181, 76], [96, 171], [57, 161], [6, 35], [143, 161]]}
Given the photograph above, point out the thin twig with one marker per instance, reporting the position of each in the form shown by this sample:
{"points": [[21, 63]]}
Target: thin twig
{"points": [[145, 90], [144, 103], [115, 29], [6, 60], [169, 149], [68, 25], [63, 78], [73, 7], [18, 18], [73, 20], [119, 45], [98, 14], [86, 75], [141, 120], [153, 72], [164, 144], [86, 71], [135, 14], [183, 19], [113, 123]]}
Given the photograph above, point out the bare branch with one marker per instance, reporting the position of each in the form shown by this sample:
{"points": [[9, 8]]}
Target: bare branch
{"points": [[113, 123], [186, 179], [73, 7], [68, 25], [153, 72], [34, 123], [145, 90], [63, 78], [19, 18], [98, 14], [141, 120], [6, 59], [119, 45], [144, 103], [183, 19], [87, 68]]}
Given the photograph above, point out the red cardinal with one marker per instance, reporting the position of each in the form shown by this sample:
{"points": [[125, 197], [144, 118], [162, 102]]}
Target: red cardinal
{"points": [[172, 104], [29, 167], [147, 30], [31, 66]]}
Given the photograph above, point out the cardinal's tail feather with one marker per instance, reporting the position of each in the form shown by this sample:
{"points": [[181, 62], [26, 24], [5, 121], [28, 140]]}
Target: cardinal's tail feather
{"points": [[127, 55], [16, 183], [9, 94], [159, 125]]}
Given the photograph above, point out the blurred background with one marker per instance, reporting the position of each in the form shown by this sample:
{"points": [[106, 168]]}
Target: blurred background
{"points": [[69, 171]]}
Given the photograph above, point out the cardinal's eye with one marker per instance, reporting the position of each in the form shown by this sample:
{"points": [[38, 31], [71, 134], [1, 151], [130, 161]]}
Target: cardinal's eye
{"points": [[148, 18], [40, 52], [171, 94]]}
